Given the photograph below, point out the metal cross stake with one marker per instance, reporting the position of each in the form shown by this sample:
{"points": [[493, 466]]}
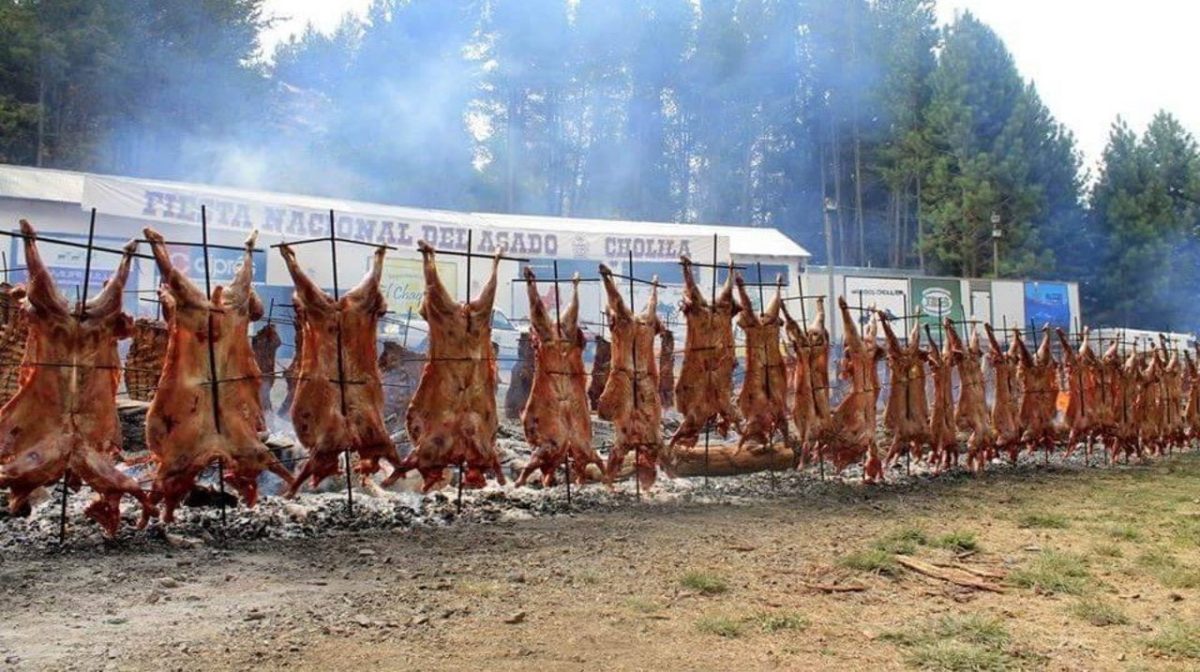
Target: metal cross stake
{"points": [[633, 379], [82, 298], [212, 358], [341, 359], [559, 334], [812, 383]]}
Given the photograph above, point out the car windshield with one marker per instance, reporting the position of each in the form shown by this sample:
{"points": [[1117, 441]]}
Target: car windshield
{"points": [[499, 321]]}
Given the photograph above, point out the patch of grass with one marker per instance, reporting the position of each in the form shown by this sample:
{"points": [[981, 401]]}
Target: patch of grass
{"points": [[1178, 578], [1044, 521], [1099, 612], [1107, 551], [971, 643], [952, 656], [872, 560], [903, 542], [589, 578], [720, 626], [1124, 533], [1156, 558], [1053, 572], [704, 583], [642, 605], [958, 541], [779, 621], [478, 588], [1177, 640]]}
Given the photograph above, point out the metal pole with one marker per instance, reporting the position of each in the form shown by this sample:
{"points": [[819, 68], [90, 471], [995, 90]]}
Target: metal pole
{"points": [[808, 363], [212, 357], [467, 294], [559, 334], [341, 362], [637, 450], [829, 206], [407, 322], [712, 305]]}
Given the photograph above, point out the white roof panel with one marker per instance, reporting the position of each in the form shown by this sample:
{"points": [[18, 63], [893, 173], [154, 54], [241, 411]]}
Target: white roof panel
{"points": [[66, 186]]}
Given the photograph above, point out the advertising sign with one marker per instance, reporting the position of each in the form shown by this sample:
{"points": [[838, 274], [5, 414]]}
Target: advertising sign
{"points": [[223, 264], [67, 264], [1048, 302], [937, 299], [403, 285], [887, 294]]}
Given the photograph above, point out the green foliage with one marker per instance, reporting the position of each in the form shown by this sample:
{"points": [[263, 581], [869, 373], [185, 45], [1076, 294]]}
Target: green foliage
{"points": [[1044, 521], [873, 560], [772, 622], [721, 626], [1099, 612], [1176, 640], [959, 644], [958, 541], [903, 542], [704, 583], [1054, 572]]}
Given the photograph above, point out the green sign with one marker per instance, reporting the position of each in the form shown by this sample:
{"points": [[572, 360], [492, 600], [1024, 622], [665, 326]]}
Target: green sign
{"points": [[936, 300]]}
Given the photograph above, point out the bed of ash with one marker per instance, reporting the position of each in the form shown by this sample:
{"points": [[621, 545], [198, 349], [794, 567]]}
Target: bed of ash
{"points": [[325, 512]]}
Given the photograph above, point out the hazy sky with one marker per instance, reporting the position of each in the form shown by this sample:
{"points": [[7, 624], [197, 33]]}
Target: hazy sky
{"points": [[1090, 59]]}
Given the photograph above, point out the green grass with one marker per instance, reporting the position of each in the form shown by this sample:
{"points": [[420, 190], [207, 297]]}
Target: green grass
{"points": [[902, 542], [873, 560], [1107, 551], [1099, 612], [704, 583], [721, 626], [1176, 640], [958, 541], [1156, 558], [1124, 533], [971, 643], [779, 621], [1053, 572], [1044, 521]]}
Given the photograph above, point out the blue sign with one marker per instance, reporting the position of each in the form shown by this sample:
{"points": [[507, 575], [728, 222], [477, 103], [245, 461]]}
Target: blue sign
{"points": [[1048, 302], [223, 264]]}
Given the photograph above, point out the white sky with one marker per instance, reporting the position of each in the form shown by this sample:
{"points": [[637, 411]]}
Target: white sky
{"points": [[1090, 59]]}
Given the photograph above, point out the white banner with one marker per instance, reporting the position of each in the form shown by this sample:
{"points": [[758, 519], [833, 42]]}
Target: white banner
{"points": [[282, 216]]}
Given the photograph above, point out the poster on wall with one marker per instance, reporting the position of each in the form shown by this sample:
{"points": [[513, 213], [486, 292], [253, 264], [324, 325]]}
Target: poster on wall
{"points": [[937, 299], [67, 264], [403, 285], [1048, 303], [887, 294]]}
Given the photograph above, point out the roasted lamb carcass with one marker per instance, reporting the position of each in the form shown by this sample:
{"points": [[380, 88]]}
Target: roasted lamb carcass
{"points": [[265, 345], [452, 420], [906, 415], [704, 391], [1174, 430], [817, 337], [63, 419], [1148, 405], [971, 412], [1039, 392], [332, 414], [763, 398], [1006, 432], [1191, 409], [630, 398], [850, 434], [943, 436], [557, 419], [800, 384], [14, 335], [292, 373], [1084, 412], [183, 431], [1126, 378]]}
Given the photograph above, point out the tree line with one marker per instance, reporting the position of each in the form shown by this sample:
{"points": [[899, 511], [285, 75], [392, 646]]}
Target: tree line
{"points": [[915, 141]]}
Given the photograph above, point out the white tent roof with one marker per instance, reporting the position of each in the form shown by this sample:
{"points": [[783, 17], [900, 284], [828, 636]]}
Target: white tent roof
{"points": [[67, 187]]}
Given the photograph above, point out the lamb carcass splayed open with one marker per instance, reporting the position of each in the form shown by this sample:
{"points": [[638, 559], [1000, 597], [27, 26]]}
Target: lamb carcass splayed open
{"points": [[630, 398], [452, 419], [704, 391], [338, 405], [763, 398], [183, 431], [64, 416], [557, 417]]}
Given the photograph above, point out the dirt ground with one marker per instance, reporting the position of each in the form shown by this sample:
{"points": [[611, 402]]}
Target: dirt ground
{"points": [[1099, 568]]}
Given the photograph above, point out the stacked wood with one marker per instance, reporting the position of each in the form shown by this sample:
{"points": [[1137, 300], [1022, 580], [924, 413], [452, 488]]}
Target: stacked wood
{"points": [[601, 366], [265, 345], [521, 380], [400, 369], [144, 362], [12, 350]]}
